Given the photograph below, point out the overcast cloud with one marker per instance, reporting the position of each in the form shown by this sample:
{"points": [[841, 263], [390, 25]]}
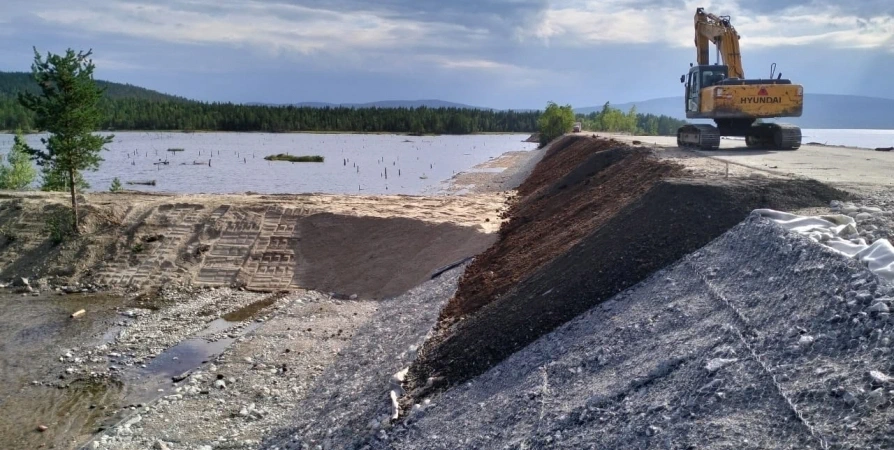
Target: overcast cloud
{"points": [[499, 53]]}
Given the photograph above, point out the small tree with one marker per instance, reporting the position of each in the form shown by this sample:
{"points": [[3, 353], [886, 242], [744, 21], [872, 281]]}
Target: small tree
{"points": [[68, 109], [53, 179], [555, 121], [116, 185], [19, 173]]}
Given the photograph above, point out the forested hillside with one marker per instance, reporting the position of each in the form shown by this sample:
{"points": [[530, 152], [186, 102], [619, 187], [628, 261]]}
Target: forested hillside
{"points": [[13, 82], [127, 107]]}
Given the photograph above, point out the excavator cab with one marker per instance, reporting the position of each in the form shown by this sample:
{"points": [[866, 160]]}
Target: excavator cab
{"points": [[701, 77]]}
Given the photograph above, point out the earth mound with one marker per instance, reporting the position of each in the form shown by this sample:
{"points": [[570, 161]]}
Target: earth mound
{"points": [[612, 218]]}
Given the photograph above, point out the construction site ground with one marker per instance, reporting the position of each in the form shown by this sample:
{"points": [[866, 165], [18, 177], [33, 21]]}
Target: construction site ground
{"points": [[856, 169], [605, 308]]}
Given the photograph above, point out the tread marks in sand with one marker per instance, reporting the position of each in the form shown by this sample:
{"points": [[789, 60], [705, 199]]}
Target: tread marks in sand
{"points": [[614, 225]]}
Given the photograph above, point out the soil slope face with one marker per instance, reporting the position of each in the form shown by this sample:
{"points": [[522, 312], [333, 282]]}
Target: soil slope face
{"points": [[587, 226], [372, 247]]}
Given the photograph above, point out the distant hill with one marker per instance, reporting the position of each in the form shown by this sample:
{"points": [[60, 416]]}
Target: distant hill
{"points": [[381, 104], [820, 111], [13, 82]]}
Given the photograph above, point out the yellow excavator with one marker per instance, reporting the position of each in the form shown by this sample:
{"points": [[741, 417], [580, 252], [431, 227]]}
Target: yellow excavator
{"points": [[722, 93]]}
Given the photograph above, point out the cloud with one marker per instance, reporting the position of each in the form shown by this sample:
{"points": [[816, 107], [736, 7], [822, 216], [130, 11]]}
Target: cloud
{"points": [[309, 26], [761, 24], [272, 27], [508, 50], [384, 33]]}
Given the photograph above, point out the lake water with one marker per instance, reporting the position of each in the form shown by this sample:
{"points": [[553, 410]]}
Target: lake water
{"points": [[354, 163], [850, 138], [234, 162]]}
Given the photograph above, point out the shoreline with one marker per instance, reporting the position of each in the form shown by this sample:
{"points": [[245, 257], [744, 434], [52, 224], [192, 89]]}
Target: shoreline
{"points": [[380, 133], [274, 359]]}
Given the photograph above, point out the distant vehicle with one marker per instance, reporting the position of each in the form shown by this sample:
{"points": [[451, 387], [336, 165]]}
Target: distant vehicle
{"points": [[577, 127]]}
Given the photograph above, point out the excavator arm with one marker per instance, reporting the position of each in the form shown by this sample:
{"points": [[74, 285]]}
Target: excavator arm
{"points": [[710, 28]]}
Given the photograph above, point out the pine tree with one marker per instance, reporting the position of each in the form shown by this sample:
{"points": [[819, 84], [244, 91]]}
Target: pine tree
{"points": [[68, 109]]}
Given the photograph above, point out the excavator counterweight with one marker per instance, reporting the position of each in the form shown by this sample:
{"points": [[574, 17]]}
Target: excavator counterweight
{"points": [[721, 92]]}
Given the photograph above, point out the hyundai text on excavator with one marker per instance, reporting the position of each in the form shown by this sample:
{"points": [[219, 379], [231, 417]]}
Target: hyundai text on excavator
{"points": [[722, 93]]}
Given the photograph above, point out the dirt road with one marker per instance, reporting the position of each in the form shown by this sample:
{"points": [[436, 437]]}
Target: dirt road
{"points": [[850, 168]]}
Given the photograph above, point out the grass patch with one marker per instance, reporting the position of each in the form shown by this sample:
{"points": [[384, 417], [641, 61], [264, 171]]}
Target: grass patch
{"points": [[59, 226], [293, 158]]}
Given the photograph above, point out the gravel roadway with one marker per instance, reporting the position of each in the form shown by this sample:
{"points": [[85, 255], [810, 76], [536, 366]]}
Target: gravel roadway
{"points": [[855, 169]]}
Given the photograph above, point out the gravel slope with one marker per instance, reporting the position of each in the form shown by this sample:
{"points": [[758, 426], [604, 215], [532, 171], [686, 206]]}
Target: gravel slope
{"points": [[762, 339], [351, 400]]}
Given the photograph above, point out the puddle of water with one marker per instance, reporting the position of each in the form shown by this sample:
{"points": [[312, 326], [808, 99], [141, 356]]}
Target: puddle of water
{"points": [[34, 333], [145, 383], [186, 356], [249, 311]]}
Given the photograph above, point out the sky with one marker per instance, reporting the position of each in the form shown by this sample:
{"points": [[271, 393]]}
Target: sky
{"points": [[494, 53]]}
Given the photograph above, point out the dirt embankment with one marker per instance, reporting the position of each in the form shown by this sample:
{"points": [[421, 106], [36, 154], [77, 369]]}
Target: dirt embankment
{"points": [[372, 247], [594, 218], [577, 187]]}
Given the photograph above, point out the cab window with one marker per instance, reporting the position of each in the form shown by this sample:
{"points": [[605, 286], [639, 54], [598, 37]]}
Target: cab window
{"points": [[710, 78]]}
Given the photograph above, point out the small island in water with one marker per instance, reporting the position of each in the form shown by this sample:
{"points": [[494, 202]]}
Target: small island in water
{"points": [[293, 158]]}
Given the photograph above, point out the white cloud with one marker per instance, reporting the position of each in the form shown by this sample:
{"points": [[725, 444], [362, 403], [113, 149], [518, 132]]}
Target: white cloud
{"points": [[511, 74], [592, 22], [480, 64], [274, 27], [113, 63]]}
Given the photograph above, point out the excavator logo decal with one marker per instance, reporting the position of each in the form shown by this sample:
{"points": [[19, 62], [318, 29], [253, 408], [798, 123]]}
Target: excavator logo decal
{"points": [[763, 97]]}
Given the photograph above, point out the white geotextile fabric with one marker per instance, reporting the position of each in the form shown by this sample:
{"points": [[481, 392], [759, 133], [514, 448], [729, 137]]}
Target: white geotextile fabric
{"points": [[839, 232]]}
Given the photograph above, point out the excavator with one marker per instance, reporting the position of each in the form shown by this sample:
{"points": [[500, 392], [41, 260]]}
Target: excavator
{"points": [[736, 104]]}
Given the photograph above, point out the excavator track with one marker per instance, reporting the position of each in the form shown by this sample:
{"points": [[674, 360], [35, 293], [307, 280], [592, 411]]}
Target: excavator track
{"points": [[774, 136], [703, 137]]}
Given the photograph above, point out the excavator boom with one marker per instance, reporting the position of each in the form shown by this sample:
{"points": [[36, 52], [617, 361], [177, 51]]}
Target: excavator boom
{"points": [[710, 28]]}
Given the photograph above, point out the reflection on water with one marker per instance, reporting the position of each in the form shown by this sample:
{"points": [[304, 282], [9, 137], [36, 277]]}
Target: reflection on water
{"points": [[34, 333], [156, 379], [234, 162]]}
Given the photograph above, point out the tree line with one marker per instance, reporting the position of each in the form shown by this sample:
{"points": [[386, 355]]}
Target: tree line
{"points": [[614, 120], [157, 115], [127, 107]]}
